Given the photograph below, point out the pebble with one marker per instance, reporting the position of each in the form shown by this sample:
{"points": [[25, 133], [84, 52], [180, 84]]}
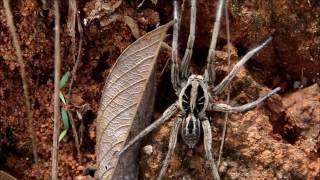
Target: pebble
{"points": [[148, 149]]}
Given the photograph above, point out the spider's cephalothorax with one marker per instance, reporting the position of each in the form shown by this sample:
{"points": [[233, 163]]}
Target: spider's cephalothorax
{"points": [[193, 101], [194, 92]]}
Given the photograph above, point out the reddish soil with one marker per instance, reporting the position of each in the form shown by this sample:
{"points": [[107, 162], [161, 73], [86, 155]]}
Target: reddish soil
{"points": [[280, 139]]}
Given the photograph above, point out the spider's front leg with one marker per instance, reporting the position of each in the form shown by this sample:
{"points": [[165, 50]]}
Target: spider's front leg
{"points": [[172, 145], [209, 73], [207, 141], [175, 70], [165, 116], [185, 71], [220, 87], [179, 75], [245, 107]]}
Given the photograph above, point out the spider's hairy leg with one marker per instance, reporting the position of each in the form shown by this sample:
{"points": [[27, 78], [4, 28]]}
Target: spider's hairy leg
{"points": [[220, 87], [245, 107], [165, 116], [175, 70], [209, 73], [185, 71], [172, 145], [207, 137]]}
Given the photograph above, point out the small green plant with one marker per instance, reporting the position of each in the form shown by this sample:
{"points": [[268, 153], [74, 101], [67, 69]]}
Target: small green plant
{"points": [[63, 111], [66, 114]]}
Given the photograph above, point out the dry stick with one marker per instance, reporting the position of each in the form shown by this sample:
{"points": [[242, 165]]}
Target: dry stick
{"points": [[165, 46], [75, 135], [23, 77], [142, 2], [73, 74], [74, 70], [56, 120], [72, 12], [228, 87], [164, 67]]}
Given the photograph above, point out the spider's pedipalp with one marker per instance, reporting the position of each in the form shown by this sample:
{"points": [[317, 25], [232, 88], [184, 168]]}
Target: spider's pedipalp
{"points": [[245, 107], [220, 87], [207, 141], [172, 145]]}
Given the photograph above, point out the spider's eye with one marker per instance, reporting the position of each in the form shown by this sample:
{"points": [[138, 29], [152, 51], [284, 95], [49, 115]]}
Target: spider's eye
{"points": [[192, 76]]}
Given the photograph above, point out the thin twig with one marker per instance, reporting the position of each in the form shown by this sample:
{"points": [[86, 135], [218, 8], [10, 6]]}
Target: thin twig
{"points": [[74, 10], [164, 67], [57, 64], [142, 2], [23, 77], [228, 87], [74, 70], [165, 46], [75, 135]]}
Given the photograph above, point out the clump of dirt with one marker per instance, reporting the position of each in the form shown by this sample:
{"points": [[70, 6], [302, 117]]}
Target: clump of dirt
{"points": [[279, 139]]}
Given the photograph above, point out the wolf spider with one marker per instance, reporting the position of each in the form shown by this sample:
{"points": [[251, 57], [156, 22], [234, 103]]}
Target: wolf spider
{"points": [[194, 92]]}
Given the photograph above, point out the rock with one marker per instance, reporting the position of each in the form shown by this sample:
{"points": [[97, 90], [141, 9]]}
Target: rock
{"points": [[148, 149]]}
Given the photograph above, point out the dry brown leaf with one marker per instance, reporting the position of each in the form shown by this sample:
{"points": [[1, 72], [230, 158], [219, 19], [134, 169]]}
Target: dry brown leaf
{"points": [[6, 176], [122, 96]]}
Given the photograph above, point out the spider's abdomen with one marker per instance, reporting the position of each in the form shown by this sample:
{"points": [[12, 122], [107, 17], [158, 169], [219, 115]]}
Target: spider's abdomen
{"points": [[191, 130]]}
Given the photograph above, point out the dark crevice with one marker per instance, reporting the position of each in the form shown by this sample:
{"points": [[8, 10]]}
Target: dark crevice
{"points": [[253, 63], [221, 43], [163, 12], [164, 98], [37, 74], [7, 145], [284, 127], [241, 50], [200, 56], [102, 65], [87, 118]]}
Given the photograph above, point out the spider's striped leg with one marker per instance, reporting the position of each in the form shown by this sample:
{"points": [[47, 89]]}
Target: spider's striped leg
{"points": [[220, 87], [245, 107], [172, 145], [207, 137], [209, 73], [185, 70], [165, 116], [175, 70]]}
